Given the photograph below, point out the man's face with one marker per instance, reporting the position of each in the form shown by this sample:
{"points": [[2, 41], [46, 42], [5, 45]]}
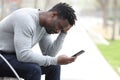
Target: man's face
{"points": [[55, 24]]}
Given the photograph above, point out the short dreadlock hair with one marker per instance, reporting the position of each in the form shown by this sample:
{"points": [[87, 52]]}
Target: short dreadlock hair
{"points": [[65, 11]]}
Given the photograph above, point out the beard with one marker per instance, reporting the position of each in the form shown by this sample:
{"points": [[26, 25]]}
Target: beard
{"points": [[49, 31]]}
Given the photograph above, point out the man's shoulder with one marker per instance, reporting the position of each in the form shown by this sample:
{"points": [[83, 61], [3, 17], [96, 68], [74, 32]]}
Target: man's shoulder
{"points": [[27, 9], [24, 13]]}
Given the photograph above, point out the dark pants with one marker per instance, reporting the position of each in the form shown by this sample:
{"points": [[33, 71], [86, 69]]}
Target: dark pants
{"points": [[28, 71]]}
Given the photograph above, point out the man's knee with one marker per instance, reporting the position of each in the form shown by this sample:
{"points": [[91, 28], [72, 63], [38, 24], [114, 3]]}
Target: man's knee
{"points": [[32, 71], [35, 68], [56, 67]]}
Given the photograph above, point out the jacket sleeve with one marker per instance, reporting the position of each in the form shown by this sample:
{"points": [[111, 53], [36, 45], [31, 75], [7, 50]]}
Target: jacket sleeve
{"points": [[49, 47]]}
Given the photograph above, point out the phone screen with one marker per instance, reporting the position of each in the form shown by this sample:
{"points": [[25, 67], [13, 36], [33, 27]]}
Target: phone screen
{"points": [[78, 53]]}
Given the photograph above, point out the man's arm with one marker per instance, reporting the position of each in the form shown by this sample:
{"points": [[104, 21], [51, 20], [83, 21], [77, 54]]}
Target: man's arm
{"points": [[51, 48]]}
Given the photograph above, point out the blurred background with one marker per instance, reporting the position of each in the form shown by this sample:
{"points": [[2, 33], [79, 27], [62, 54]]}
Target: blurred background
{"points": [[104, 12], [99, 18]]}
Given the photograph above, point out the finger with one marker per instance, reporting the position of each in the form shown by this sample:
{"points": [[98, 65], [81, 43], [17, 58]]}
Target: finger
{"points": [[71, 59]]}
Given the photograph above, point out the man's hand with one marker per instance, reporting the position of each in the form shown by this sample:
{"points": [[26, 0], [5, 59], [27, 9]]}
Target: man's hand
{"points": [[63, 59], [65, 29]]}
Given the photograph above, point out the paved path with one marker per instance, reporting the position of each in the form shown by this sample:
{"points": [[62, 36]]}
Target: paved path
{"points": [[89, 66]]}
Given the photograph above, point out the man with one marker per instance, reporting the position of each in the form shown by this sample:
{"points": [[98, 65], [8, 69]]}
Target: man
{"points": [[22, 29]]}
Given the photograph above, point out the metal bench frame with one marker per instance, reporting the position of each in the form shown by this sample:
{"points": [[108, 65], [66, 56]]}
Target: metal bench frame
{"points": [[16, 74]]}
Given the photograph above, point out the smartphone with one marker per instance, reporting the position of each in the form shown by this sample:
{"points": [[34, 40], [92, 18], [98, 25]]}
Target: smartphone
{"points": [[78, 53]]}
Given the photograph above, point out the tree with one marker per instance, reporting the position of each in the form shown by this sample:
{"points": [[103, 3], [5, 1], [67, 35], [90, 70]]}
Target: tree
{"points": [[104, 7], [35, 3], [114, 19]]}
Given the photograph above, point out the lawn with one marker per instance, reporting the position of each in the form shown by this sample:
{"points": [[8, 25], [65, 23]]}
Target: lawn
{"points": [[112, 53]]}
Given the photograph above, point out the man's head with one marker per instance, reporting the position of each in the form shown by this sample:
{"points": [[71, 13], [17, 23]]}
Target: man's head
{"points": [[60, 18]]}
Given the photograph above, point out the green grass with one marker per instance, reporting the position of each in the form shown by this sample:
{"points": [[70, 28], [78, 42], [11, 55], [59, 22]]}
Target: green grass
{"points": [[112, 53]]}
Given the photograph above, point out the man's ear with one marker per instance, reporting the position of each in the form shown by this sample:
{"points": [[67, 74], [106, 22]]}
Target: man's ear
{"points": [[54, 13]]}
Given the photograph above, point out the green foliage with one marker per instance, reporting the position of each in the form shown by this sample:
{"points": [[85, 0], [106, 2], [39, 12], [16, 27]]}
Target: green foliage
{"points": [[112, 53]]}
